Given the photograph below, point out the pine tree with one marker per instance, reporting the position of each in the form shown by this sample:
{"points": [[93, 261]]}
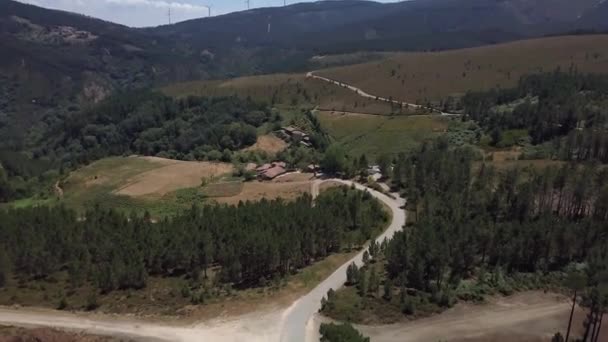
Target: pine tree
{"points": [[388, 290], [373, 282], [362, 284], [4, 267], [352, 274], [365, 257]]}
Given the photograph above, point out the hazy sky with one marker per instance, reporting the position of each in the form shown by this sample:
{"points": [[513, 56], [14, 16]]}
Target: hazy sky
{"points": [[140, 13]]}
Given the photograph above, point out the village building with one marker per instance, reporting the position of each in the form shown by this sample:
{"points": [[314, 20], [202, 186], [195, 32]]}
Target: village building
{"points": [[271, 171]]}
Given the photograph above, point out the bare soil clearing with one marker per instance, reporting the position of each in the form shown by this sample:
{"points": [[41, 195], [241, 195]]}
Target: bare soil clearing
{"points": [[173, 175], [14, 334], [530, 316], [269, 144]]}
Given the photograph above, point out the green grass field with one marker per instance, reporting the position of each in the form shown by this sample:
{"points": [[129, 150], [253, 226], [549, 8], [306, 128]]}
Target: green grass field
{"points": [[376, 135]]}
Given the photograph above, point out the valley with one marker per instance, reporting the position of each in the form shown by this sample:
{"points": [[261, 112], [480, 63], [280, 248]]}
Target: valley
{"points": [[330, 171]]}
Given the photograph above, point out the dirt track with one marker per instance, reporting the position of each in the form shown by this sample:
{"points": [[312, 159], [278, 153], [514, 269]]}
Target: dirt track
{"points": [[530, 316], [364, 94]]}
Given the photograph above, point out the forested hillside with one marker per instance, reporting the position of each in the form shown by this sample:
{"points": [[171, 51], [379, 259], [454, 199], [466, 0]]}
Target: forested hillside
{"points": [[479, 231], [566, 111], [212, 246], [136, 122], [55, 62]]}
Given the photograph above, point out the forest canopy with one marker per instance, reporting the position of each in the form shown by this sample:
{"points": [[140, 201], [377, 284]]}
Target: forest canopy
{"points": [[567, 109], [149, 123], [250, 243]]}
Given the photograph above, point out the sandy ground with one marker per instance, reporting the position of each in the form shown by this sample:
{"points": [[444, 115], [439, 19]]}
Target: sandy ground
{"points": [[258, 327], [12, 334], [530, 316], [269, 144], [172, 176]]}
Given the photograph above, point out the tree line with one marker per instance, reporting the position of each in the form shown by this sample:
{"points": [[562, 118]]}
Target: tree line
{"points": [[565, 108], [471, 218], [476, 229], [149, 123], [245, 245]]}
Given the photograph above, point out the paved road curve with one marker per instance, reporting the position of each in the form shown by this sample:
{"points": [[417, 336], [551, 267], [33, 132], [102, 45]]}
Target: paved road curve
{"points": [[298, 323]]}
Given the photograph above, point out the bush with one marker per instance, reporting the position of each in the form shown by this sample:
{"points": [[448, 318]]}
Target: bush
{"points": [[63, 303], [92, 303], [341, 333], [409, 306]]}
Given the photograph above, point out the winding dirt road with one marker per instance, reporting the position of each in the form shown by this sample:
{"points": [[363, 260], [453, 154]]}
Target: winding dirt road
{"points": [[362, 93]]}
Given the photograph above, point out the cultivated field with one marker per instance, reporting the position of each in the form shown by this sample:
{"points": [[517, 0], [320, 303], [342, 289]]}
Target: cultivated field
{"points": [[161, 186], [435, 75], [376, 135], [172, 175], [283, 89]]}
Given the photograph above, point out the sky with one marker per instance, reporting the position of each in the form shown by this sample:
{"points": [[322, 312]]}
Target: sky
{"points": [[141, 13]]}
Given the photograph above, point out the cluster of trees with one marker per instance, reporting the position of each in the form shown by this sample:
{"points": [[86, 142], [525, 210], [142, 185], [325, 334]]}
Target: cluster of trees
{"points": [[331, 332], [470, 218], [149, 123], [21, 176], [568, 108], [250, 243]]}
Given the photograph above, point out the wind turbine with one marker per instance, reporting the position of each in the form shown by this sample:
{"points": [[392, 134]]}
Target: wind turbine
{"points": [[208, 9], [248, 2]]}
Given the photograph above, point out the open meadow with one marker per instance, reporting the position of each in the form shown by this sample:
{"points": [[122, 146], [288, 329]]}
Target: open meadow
{"points": [[376, 135]]}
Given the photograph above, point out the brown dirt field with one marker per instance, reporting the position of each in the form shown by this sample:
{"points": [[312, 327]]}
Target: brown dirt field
{"points": [[294, 177], [256, 191], [269, 144], [531, 316], [172, 176], [13, 334], [436, 75]]}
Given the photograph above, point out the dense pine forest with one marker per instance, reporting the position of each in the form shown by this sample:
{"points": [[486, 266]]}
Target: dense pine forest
{"points": [[566, 110], [246, 245], [478, 230]]}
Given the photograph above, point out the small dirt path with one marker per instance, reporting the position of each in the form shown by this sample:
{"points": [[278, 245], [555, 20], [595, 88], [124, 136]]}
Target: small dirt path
{"points": [[58, 190], [362, 93]]}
